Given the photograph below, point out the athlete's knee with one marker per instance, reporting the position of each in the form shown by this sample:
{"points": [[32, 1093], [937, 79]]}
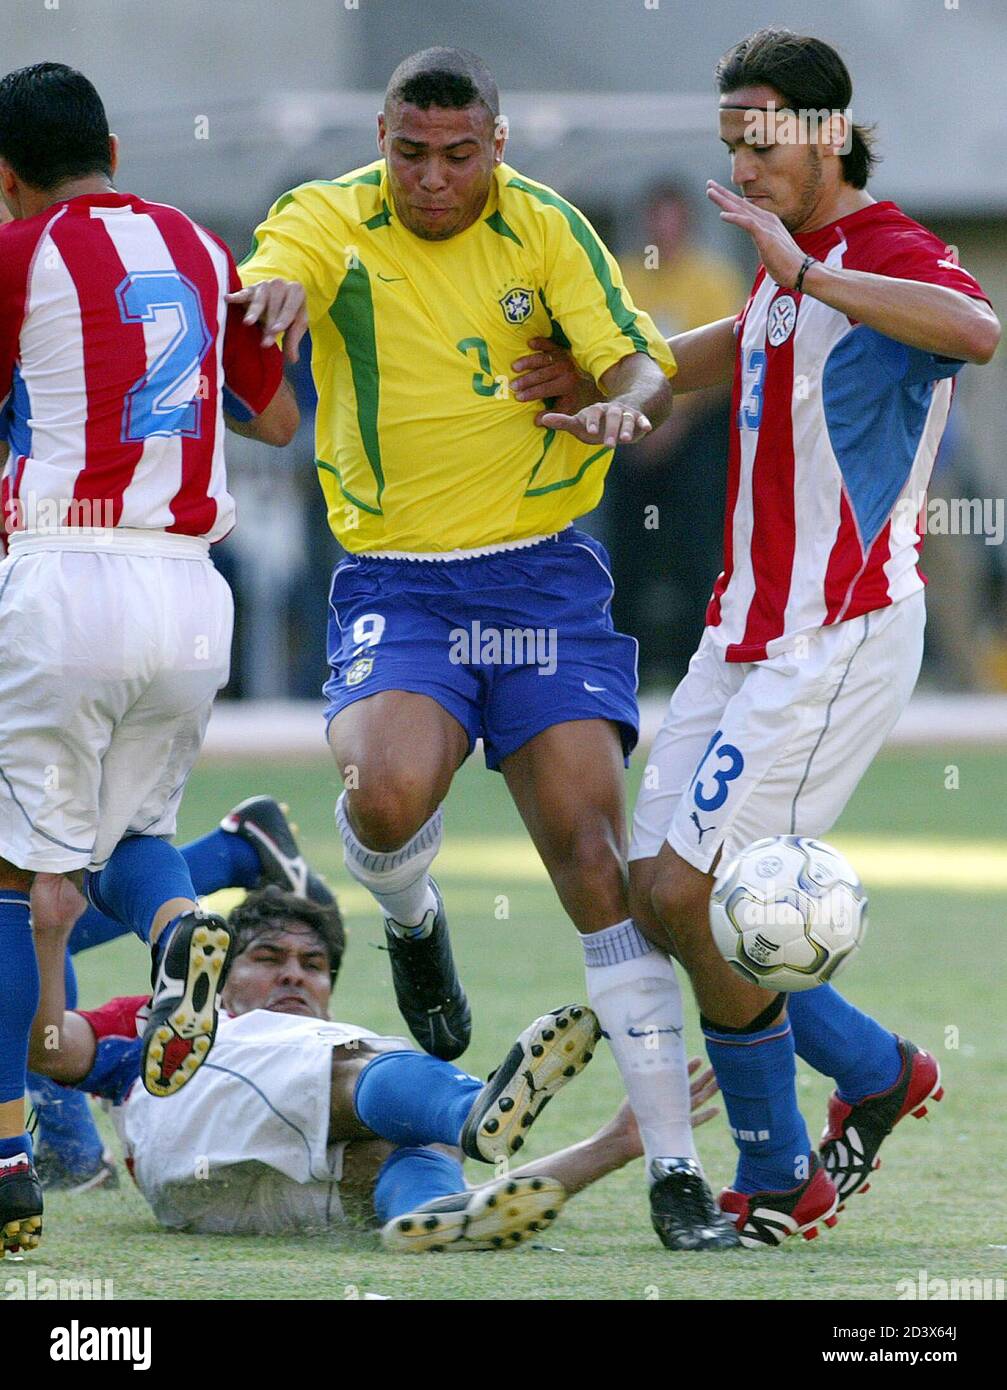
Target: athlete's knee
{"points": [[593, 863], [389, 806]]}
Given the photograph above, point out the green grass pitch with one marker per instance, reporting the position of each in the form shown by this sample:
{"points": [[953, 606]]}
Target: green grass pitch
{"points": [[935, 862]]}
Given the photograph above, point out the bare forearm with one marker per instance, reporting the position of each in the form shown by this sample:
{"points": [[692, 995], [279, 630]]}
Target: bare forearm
{"points": [[581, 1164], [930, 317], [705, 356], [639, 383]]}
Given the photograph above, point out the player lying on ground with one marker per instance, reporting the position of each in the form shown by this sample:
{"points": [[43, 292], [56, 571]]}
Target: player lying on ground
{"points": [[296, 1119], [843, 361], [253, 845], [117, 349], [469, 605]]}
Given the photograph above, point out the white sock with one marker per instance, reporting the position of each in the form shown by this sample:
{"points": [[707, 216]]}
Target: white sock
{"points": [[633, 988], [397, 879]]}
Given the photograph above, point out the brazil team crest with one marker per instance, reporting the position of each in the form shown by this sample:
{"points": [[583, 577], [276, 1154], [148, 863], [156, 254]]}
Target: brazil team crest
{"points": [[360, 670], [517, 305]]}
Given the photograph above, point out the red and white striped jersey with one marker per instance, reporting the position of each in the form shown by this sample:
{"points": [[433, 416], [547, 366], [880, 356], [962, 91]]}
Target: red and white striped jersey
{"points": [[833, 438], [118, 355]]}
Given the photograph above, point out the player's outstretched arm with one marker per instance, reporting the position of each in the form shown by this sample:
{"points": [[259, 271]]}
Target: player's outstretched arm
{"points": [[275, 425], [62, 1044], [280, 306], [639, 396], [616, 1143], [933, 318]]}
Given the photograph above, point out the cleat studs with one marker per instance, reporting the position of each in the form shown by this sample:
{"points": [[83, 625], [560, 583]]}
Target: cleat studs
{"points": [[938, 1094], [491, 1201], [491, 1126], [866, 1187], [549, 1215], [526, 1119], [511, 1189], [588, 1056], [576, 1013], [498, 1241], [919, 1113], [431, 1223], [536, 1184], [562, 1022], [830, 1221], [570, 1071], [537, 1049], [811, 1233], [518, 1141], [406, 1225], [506, 1104], [548, 1034], [284, 808]]}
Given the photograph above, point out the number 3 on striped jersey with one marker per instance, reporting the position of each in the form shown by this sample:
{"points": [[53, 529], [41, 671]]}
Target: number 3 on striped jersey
{"points": [[753, 374], [164, 400]]}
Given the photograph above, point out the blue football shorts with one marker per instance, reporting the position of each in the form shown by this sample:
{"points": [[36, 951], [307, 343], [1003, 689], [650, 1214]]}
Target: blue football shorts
{"points": [[509, 644]]}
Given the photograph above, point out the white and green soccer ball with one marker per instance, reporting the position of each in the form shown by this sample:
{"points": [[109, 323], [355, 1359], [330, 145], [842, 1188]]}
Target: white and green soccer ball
{"points": [[788, 912]]}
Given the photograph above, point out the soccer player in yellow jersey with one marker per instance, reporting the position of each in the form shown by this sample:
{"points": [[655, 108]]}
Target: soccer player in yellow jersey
{"points": [[468, 605]]}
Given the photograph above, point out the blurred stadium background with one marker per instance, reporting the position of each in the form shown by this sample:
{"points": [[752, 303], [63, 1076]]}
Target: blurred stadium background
{"points": [[612, 102]]}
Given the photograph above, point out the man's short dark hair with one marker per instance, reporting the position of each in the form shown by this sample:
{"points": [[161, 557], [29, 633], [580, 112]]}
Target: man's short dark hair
{"points": [[272, 909], [810, 76], [53, 126], [449, 77]]}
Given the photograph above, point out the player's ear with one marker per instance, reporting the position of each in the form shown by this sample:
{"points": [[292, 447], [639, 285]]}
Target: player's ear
{"points": [[113, 153], [381, 131], [501, 129]]}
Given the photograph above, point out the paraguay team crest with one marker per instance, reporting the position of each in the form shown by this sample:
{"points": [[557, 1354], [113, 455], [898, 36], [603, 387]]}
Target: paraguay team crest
{"points": [[782, 319], [360, 670], [517, 305]]}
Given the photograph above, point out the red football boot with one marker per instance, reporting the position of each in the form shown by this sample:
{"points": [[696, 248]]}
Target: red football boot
{"points": [[854, 1133], [768, 1218]]}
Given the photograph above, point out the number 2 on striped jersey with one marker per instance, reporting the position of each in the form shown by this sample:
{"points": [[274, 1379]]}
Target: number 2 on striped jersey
{"points": [[752, 376], [160, 402]]}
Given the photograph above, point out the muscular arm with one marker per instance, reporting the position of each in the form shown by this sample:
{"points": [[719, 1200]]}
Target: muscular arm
{"points": [[638, 383], [933, 318], [62, 1045]]}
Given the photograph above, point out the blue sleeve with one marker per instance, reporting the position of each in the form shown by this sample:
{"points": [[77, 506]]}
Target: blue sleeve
{"points": [[116, 1067]]}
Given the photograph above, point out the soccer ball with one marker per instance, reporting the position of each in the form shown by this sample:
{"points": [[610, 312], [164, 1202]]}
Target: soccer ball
{"points": [[788, 912]]}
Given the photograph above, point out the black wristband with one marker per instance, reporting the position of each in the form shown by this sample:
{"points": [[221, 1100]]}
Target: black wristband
{"points": [[805, 266]]}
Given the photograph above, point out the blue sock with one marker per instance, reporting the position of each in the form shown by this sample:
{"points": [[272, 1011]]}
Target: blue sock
{"points": [[65, 1124], [410, 1177], [19, 991], [758, 1080], [838, 1040], [218, 860], [143, 873], [410, 1098], [221, 860], [20, 1144]]}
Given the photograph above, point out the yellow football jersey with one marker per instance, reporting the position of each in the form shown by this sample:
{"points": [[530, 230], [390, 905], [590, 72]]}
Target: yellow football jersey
{"points": [[420, 445]]}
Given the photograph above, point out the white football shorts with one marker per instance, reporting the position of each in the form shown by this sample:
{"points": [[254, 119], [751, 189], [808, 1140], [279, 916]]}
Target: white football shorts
{"points": [[775, 747], [110, 657], [243, 1148]]}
